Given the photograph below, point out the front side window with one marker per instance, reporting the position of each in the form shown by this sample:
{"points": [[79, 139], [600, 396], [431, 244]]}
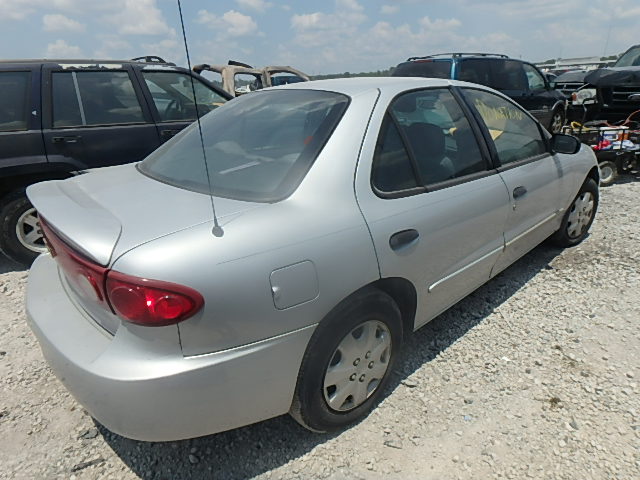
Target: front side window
{"points": [[13, 100], [258, 147], [172, 94], [94, 98], [437, 135], [534, 79], [516, 135]]}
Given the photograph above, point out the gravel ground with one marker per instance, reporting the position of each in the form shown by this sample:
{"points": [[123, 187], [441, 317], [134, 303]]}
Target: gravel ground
{"points": [[535, 375]]}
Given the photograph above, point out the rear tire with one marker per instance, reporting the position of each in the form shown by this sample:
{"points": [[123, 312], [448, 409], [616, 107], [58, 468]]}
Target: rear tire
{"points": [[578, 217], [348, 362], [20, 236]]}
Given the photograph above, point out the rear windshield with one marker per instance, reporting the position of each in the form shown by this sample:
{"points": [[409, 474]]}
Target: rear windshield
{"points": [[258, 147], [424, 68]]}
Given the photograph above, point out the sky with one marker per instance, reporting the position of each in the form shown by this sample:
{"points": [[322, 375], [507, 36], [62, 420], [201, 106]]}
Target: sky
{"points": [[317, 37]]}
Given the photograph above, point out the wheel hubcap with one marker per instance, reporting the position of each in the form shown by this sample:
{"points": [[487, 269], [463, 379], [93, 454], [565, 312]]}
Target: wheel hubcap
{"points": [[580, 215], [29, 232], [357, 366], [556, 123]]}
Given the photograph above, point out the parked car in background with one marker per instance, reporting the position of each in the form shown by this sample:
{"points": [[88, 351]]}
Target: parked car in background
{"points": [[61, 117], [239, 78], [350, 212], [610, 94], [522, 81]]}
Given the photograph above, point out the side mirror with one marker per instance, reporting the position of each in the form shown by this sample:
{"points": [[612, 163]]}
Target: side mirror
{"points": [[634, 97], [561, 143]]}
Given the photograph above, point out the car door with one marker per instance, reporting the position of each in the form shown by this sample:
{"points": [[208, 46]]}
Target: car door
{"points": [[171, 92], [20, 117], [534, 177], [95, 116], [539, 99], [434, 206]]}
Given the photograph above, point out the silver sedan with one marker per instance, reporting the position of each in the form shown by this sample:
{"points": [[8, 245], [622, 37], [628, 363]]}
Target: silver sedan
{"points": [[275, 263]]}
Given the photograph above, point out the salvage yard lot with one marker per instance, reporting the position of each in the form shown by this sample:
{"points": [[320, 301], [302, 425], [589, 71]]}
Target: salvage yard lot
{"points": [[535, 375]]}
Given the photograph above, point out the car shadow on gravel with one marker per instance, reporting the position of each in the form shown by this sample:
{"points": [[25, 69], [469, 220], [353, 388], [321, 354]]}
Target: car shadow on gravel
{"points": [[7, 266], [255, 449]]}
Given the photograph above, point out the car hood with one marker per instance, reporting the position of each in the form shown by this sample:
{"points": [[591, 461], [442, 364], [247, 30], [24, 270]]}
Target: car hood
{"points": [[608, 77], [107, 212]]}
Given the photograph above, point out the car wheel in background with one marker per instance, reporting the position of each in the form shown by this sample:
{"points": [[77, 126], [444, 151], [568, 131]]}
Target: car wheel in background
{"points": [[348, 362], [20, 236], [579, 216], [557, 121], [608, 172]]}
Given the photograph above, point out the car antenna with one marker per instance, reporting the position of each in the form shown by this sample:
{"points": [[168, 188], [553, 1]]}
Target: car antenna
{"points": [[217, 229]]}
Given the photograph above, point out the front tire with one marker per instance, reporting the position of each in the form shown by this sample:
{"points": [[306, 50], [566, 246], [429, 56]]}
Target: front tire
{"points": [[579, 216], [348, 362], [21, 238]]}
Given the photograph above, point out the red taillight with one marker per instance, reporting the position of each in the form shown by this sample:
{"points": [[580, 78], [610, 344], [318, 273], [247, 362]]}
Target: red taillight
{"points": [[85, 276], [137, 300], [151, 302]]}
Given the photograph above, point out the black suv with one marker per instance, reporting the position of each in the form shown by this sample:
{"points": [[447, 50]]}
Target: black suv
{"points": [[610, 94], [58, 118], [521, 81]]}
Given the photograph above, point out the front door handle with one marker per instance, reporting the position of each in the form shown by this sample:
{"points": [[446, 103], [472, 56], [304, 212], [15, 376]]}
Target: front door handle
{"points": [[67, 139], [519, 192], [403, 238]]}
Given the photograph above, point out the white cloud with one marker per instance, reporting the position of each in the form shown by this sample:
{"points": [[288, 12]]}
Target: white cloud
{"points": [[230, 24], [332, 29], [61, 49], [388, 9], [257, 5], [137, 17], [59, 23]]}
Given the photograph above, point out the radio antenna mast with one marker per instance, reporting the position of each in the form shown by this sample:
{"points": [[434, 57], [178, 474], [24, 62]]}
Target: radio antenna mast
{"points": [[217, 229]]}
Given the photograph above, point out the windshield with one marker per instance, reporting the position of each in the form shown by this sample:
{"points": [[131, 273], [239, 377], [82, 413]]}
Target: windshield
{"points": [[424, 68], [259, 147], [631, 58]]}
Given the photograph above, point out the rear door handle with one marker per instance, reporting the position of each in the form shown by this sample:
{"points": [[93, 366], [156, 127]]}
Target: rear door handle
{"points": [[68, 139], [519, 192], [168, 133], [403, 238]]}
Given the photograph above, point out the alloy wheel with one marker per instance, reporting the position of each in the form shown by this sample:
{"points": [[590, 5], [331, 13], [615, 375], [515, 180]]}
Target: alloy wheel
{"points": [[29, 232]]}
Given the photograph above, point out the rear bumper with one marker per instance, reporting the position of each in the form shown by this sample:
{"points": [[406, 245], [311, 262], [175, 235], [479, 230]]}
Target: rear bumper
{"points": [[137, 382]]}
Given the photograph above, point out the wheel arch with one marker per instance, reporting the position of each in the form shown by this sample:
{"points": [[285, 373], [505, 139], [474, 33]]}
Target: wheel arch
{"points": [[11, 180], [594, 174]]}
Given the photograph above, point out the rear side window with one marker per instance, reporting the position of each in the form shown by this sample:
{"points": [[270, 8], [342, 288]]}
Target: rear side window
{"points": [[507, 75], [258, 147], [172, 95], [13, 100], [424, 68], [516, 135], [94, 98], [392, 169]]}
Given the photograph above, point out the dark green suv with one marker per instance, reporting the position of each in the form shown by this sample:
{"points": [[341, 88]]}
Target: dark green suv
{"points": [[521, 81], [61, 117]]}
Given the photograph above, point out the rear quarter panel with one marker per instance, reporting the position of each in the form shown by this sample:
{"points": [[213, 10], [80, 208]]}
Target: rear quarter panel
{"points": [[320, 223]]}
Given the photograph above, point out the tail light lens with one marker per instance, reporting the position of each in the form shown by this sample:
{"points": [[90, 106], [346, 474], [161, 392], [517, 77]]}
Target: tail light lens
{"points": [[151, 303], [138, 300]]}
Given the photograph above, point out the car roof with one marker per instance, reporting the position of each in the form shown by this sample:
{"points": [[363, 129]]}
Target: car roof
{"points": [[355, 86], [81, 61]]}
